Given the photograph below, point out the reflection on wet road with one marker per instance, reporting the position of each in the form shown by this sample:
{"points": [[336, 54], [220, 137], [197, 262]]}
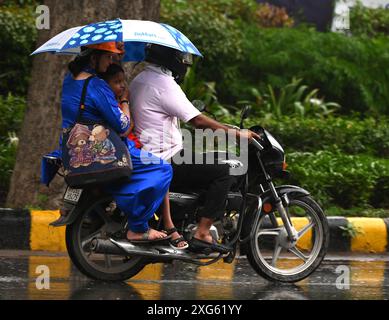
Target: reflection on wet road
{"points": [[369, 279]]}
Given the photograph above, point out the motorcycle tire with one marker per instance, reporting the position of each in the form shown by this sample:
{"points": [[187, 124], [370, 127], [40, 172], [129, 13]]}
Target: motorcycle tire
{"points": [[266, 271], [79, 258]]}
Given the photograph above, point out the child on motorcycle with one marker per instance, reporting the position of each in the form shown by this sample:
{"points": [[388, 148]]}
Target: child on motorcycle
{"points": [[115, 77]]}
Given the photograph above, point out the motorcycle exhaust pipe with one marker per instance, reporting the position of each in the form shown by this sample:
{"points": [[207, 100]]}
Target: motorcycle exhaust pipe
{"points": [[123, 248], [105, 246]]}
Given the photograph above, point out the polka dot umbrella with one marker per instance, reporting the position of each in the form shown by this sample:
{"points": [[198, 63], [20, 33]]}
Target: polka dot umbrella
{"points": [[134, 33]]}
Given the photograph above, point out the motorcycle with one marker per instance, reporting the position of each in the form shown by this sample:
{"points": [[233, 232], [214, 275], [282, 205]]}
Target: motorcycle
{"points": [[281, 230]]}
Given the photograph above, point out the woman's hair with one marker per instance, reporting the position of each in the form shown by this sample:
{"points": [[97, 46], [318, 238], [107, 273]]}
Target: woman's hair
{"points": [[112, 71], [83, 60]]}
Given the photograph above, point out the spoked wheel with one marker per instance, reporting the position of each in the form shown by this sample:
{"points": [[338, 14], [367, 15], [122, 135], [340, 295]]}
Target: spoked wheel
{"points": [[100, 219], [275, 257]]}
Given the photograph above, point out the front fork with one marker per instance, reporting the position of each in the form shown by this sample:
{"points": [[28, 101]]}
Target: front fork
{"points": [[280, 203]]}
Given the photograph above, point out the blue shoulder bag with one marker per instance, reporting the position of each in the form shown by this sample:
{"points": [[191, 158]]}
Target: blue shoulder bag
{"points": [[93, 153]]}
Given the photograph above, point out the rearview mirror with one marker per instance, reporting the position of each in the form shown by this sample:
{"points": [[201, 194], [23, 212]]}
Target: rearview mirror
{"points": [[244, 114]]}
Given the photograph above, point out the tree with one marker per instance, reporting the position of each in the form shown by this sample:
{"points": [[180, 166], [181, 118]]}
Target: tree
{"points": [[41, 127]]}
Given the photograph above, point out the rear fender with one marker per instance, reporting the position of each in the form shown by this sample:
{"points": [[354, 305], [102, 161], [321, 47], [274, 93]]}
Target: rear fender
{"points": [[87, 199]]}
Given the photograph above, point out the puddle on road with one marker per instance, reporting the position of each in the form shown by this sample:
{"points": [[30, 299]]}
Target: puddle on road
{"points": [[18, 276], [11, 279]]}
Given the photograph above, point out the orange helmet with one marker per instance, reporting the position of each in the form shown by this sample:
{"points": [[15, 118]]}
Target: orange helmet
{"points": [[120, 47], [106, 46]]}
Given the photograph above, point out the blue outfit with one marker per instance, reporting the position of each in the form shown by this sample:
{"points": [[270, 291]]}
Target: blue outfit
{"points": [[141, 196]]}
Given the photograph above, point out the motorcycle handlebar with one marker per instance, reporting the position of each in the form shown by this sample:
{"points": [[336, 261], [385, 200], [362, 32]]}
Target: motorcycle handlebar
{"points": [[257, 144]]}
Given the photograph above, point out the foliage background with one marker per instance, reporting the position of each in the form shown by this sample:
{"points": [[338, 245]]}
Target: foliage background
{"points": [[339, 154], [293, 76], [17, 40], [239, 53]]}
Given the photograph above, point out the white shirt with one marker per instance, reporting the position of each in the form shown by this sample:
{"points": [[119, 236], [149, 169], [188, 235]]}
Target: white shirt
{"points": [[157, 102]]}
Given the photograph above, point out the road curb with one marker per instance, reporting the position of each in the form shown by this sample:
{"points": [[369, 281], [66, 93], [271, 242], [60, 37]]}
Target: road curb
{"points": [[29, 230]]}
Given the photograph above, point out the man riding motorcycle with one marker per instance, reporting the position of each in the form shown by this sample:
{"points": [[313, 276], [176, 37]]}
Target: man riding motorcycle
{"points": [[158, 103]]}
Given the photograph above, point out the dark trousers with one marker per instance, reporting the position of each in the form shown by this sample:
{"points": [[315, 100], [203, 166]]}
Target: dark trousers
{"points": [[215, 178]]}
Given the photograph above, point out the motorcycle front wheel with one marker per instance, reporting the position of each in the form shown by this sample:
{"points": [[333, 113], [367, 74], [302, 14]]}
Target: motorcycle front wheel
{"points": [[92, 222], [270, 251]]}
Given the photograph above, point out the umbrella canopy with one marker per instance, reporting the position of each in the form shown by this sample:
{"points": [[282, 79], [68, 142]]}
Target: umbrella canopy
{"points": [[134, 33]]}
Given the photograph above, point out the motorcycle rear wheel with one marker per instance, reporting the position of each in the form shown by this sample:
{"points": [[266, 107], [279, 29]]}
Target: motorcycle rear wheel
{"points": [[104, 267], [275, 258]]}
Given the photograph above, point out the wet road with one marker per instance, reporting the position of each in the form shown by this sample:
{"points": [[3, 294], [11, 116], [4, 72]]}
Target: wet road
{"points": [[338, 278]]}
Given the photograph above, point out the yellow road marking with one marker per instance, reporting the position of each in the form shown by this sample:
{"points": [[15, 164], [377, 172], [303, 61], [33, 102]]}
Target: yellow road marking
{"points": [[370, 275], [149, 291], [372, 235], [218, 271], [59, 272], [43, 236]]}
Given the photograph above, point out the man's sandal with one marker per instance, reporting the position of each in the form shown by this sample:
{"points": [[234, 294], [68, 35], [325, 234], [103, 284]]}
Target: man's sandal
{"points": [[200, 246], [174, 243]]}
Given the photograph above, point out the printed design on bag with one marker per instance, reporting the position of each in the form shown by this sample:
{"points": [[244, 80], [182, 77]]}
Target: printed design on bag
{"points": [[88, 146], [79, 146], [103, 148]]}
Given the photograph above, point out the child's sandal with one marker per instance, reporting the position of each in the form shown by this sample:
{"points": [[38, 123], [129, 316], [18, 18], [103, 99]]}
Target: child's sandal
{"points": [[174, 243]]}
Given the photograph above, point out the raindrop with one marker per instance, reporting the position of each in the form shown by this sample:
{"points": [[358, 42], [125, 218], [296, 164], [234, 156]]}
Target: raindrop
{"points": [[72, 42], [84, 42], [108, 32], [75, 36]]}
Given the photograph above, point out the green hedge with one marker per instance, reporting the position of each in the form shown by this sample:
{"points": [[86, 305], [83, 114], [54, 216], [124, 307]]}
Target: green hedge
{"points": [[342, 162], [342, 180], [351, 136], [351, 71], [7, 162], [210, 25], [18, 34], [370, 22], [17, 40], [11, 116], [239, 55]]}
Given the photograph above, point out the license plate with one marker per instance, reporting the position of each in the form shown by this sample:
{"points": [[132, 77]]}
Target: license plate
{"points": [[72, 195]]}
